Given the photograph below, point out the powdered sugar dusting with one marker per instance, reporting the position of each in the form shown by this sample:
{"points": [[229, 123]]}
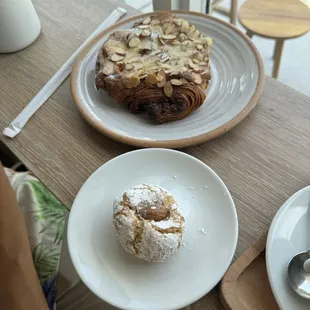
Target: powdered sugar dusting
{"points": [[144, 194], [147, 239], [202, 231]]}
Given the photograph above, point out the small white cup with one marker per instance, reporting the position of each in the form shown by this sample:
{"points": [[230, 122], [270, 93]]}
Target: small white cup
{"points": [[19, 25]]}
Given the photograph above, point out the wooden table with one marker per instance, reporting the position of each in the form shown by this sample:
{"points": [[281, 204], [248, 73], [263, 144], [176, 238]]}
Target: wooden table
{"points": [[263, 161]]}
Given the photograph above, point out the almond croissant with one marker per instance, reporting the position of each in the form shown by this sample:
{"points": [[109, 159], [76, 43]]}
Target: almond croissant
{"points": [[159, 67]]}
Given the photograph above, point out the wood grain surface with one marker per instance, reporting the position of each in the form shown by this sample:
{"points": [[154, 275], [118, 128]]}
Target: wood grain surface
{"points": [[245, 286], [276, 19], [263, 160]]}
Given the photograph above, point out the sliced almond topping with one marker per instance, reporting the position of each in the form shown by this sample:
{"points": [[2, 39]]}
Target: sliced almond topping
{"points": [[116, 57], [154, 53], [168, 89], [172, 29], [107, 71], [191, 64], [164, 58], [172, 71], [175, 82], [200, 57], [190, 35], [169, 36], [146, 45], [162, 41], [129, 66], [138, 32], [133, 59], [151, 78], [120, 51], [183, 48], [138, 66], [144, 26], [142, 76], [166, 26], [161, 76], [134, 42], [146, 32], [155, 69], [130, 36], [132, 81], [209, 41], [196, 61], [178, 21], [200, 47], [187, 43], [197, 33], [197, 78], [184, 26], [164, 66], [191, 29], [182, 37], [203, 63], [175, 42], [146, 21], [198, 69], [183, 81], [140, 70], [155, 21]]}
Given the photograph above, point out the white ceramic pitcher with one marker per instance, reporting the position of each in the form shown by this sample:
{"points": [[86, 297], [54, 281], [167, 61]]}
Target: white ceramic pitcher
{"points": [[19, 25]]}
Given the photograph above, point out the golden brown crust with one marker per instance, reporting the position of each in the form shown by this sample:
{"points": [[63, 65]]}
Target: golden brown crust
{"points": [[159, 67]]}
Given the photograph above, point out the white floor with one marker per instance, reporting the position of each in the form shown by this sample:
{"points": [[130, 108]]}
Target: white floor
{"points": [[295, 62]]}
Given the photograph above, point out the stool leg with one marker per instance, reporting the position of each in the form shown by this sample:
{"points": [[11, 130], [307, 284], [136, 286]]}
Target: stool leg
{"points": [[277, 57], [233, 11], [274, 50], [249, 34]]}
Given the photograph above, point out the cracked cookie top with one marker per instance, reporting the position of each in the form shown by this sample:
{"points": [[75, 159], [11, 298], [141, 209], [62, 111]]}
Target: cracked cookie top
{"points": [[148, 222]]}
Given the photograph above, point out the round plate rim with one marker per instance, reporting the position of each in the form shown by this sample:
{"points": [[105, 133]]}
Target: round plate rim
{"points": [[177, 143], [179, 153], [270, 235]]}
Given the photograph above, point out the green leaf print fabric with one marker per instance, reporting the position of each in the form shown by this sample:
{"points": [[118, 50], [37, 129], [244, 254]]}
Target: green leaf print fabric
{"points": [[45, 218]]}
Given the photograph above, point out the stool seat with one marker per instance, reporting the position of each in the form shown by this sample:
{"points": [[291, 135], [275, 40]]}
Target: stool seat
{"points": [[275, 19]]}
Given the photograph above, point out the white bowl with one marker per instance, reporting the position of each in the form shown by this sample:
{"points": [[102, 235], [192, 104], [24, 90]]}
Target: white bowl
{"points": [[237, 81], [131, 283]]}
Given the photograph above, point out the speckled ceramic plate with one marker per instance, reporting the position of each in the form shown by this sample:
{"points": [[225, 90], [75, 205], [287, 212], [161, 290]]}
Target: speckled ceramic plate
{"points": [[237, 81], [208, 246]]}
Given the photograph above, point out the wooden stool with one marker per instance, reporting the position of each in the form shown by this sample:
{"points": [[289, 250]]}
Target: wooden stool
{"points": [[231, 13], [275, 19]]}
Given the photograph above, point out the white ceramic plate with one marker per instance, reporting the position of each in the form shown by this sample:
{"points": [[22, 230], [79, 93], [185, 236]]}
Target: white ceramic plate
{"points": [[288, 235], [128, 282], [237, 81]]}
